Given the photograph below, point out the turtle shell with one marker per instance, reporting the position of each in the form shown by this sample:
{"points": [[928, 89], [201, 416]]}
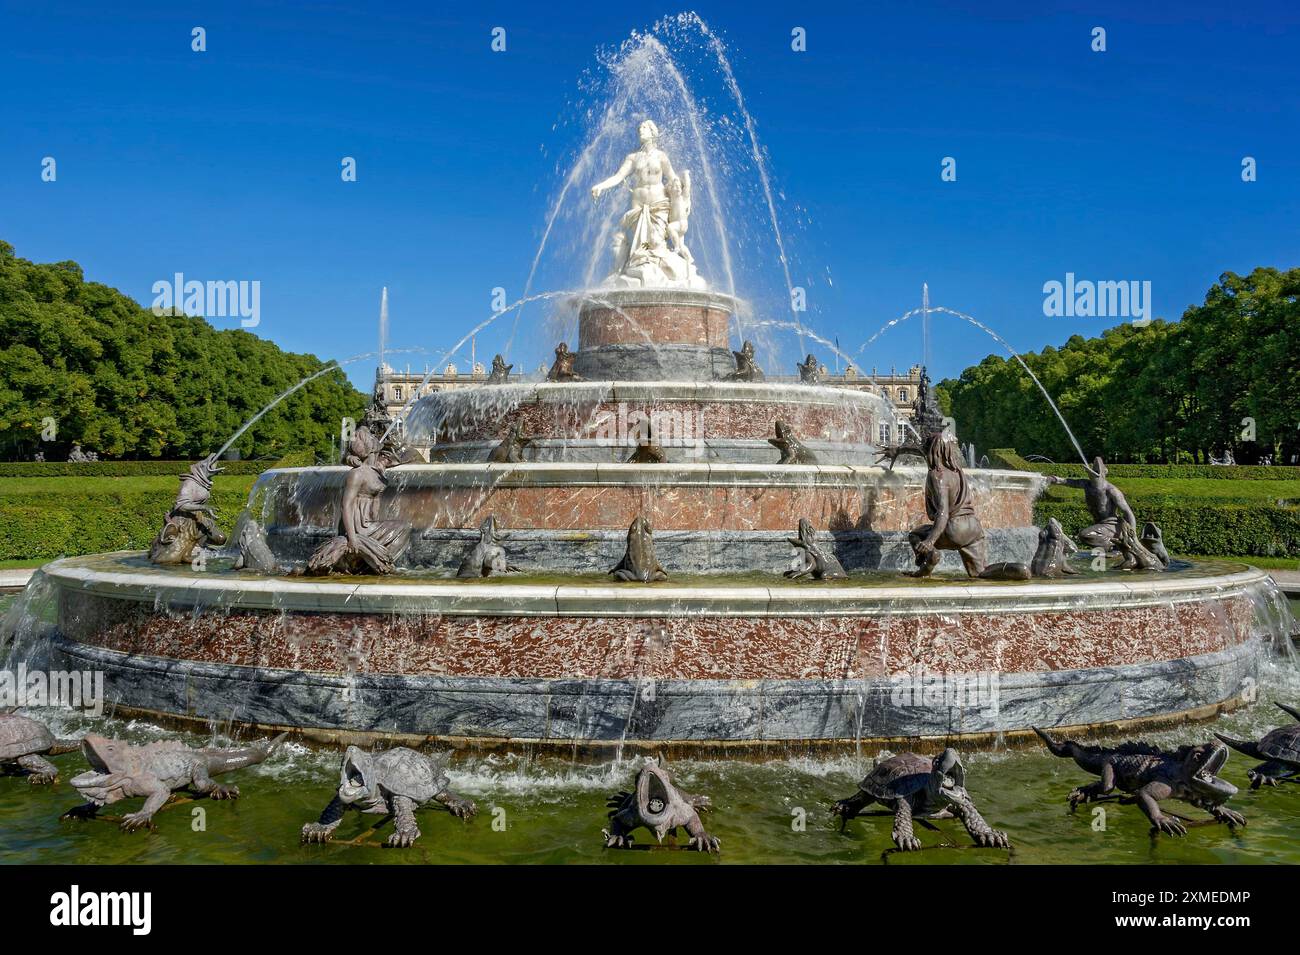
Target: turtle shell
{"points": [[20, 736], [900, 775], [1282, 743], [404, 772]]}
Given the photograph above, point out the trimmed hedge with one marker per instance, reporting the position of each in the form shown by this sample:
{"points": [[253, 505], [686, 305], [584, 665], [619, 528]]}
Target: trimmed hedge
{"points": [[1200, 528], [54, 469], [88, 516], [49, 525], [1008, 458]]}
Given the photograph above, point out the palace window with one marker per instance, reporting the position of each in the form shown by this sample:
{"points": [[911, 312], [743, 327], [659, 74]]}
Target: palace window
{"points": [[902, 394], [397, 392], [884, 434]]}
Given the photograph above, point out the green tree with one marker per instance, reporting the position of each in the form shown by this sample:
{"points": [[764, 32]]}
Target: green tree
{"points": [[127, 383], [1165, 392]]}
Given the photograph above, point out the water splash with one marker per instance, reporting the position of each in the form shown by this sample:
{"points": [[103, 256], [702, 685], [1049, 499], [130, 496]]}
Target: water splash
{"points": [[669, 72], [760, 160], [927, 309]]}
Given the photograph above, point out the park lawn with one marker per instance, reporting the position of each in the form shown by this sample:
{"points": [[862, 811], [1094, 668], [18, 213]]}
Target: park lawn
{"points": [[1199, 489]]}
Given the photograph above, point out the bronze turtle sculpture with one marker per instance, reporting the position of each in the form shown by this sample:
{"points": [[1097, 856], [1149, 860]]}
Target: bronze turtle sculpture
{"points": [[24, 743], [915, 786], [1279, 748]]}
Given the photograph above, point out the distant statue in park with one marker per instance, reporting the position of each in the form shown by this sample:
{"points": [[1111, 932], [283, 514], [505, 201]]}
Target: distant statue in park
{"points": [[77, 456], [1107, 505], [364, 544], [562, 370], [927, 419], [500, 373], [191, 523], [746, 366], [659, 210], [810, 372], [39, 457], [949, 504]]}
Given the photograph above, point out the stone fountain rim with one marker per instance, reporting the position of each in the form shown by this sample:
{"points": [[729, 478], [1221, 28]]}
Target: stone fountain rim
{"points": [[658, 297], [664, 390], [504, 598], [575, 473]]}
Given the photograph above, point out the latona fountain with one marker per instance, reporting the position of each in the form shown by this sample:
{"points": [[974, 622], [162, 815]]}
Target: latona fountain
{"points": [[657, 547]]}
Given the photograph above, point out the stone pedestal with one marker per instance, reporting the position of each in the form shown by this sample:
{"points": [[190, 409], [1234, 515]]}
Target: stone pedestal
{"points": [[654, 335]]}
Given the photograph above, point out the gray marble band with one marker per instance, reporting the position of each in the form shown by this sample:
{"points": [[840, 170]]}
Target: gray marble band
{"points": [[753, 711]]}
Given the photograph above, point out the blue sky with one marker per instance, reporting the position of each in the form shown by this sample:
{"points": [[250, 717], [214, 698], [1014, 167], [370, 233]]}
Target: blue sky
{"points": [[1122, 165]]}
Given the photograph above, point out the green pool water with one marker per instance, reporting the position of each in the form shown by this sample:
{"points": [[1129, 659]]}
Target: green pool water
{"points": [[550, 810]]}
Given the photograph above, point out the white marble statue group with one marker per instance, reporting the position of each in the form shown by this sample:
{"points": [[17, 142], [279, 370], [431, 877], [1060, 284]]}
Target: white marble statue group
{"points": [[650, 243]]}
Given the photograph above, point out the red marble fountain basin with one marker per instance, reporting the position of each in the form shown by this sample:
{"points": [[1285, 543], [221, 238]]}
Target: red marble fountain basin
{"points": [[586, 497], [682, 414], [668, 630], [727, 662]]}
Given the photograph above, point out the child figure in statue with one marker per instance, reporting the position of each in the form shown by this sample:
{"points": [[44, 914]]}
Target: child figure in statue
{"points": [[679, 213], [363, 544], [954, 526]]}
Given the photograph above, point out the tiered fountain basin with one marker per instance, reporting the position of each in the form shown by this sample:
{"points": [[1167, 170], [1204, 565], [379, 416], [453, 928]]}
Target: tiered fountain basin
{"points": [[597, 421], [709, 661], [707, 517], [727, 653], [650, 333]]}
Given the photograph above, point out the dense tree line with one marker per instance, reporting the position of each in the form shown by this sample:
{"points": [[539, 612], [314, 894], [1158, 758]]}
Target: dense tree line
{"points": [[1225, 377], [127, 383]]}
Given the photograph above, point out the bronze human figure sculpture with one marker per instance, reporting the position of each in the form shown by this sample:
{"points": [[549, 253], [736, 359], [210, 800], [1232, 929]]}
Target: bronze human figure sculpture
{"points": [[562, 370], [746, 367], [950, 506], [189, 523], [379, 422], [1107, 505], [363, 544]]}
